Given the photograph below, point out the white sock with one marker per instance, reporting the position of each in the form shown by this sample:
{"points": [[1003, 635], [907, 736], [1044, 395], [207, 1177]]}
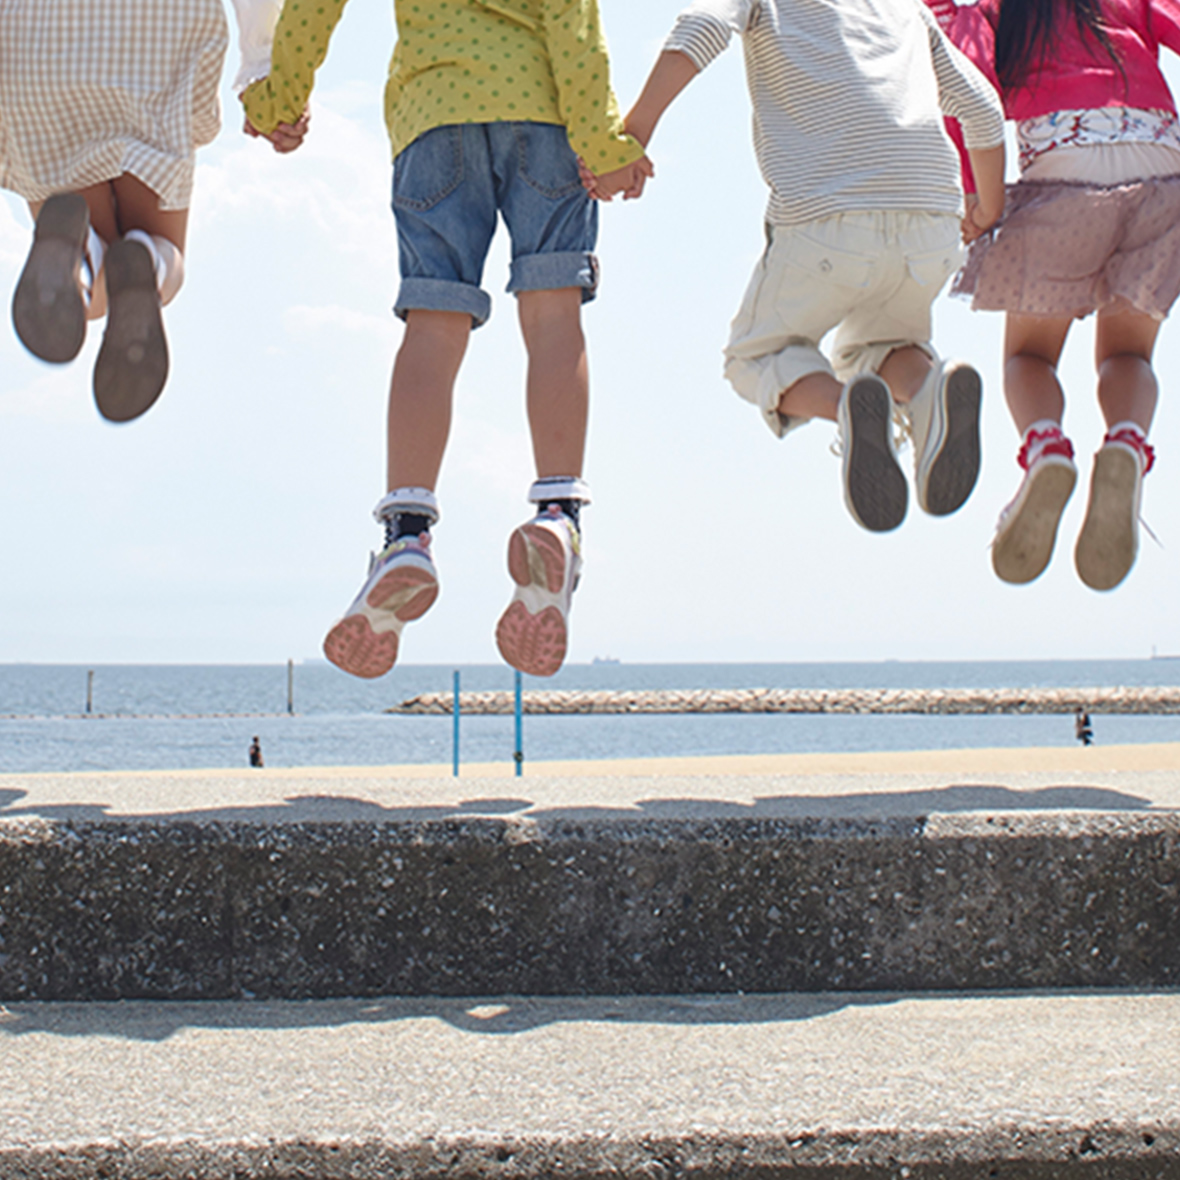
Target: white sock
{"points": [[95, 287], [1134, 427], [167, 260], [559, 487], [418, 500]]}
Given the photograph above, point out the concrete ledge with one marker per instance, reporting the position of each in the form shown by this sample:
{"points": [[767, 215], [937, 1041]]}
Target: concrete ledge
{"points": [[172, 910], [823, 1087]]}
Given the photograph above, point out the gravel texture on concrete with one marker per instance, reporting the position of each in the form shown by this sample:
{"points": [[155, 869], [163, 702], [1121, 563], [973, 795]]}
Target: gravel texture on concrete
{"points": [[184, 908], [824, 1086]]}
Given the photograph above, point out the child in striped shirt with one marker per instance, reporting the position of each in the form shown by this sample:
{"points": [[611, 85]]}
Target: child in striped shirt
{"points": [[862, 226]]}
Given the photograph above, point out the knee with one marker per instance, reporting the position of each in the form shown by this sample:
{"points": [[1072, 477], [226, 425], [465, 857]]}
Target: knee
{"points": [[544, 314]]}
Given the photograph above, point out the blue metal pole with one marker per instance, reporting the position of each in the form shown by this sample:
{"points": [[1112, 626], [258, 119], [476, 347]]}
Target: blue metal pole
{"points": [[519, 754], [455, 726]]}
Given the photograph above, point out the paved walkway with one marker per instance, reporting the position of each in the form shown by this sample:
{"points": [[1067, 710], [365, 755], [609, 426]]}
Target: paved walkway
{"points": [[512, 1087], [1102, 778]]}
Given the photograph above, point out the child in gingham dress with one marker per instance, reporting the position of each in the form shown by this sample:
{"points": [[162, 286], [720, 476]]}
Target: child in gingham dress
{"points": [[103, 104]]}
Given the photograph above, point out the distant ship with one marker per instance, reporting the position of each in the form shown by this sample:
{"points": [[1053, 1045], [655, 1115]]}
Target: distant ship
{"points": [[604, 660]]}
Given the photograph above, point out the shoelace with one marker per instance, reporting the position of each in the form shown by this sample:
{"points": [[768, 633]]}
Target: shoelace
{"points": [[903, 431]]}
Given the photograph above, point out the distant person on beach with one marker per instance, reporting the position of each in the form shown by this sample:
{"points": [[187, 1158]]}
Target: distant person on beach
{"points": [[862, 229], [103, 104], [1092, 226], [489, 103], [1082, 728], [255, 752]]}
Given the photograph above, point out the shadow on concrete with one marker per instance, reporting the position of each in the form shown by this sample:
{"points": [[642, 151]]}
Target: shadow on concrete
{"points": [[153, 1021], [915, 803], [157, 1021]]}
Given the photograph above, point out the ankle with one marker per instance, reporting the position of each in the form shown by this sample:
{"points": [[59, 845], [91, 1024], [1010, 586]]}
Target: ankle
{"points": [[406, 512], [1131, 435], [565, 493], [1043, 437]]}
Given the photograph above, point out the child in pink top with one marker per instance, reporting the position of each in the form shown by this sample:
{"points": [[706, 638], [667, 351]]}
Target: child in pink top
{"points": [[1093, 224]]}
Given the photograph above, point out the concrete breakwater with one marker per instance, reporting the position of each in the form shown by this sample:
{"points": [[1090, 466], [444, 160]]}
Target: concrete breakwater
{"points": [[1148, 700]]}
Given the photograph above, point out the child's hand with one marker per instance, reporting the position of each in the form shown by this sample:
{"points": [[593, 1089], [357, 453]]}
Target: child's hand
{"points": [[628, 180], [286, 137], [975, 223]]}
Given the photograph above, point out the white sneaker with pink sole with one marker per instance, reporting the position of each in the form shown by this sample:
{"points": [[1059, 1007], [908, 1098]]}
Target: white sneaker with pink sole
{"points": [[402, 586], [544, 559]]}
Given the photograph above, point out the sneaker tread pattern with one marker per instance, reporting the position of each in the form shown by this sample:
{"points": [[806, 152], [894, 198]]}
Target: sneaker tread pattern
{"points": [[954, 472], [353, 646], [877, 488], [408, 592], [535, 644]]}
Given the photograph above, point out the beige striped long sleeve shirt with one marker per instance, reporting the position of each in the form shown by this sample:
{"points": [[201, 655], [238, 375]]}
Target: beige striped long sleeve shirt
{"points": [[849, 98]]}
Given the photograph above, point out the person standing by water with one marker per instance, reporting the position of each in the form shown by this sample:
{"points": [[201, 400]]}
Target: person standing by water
{"points": [[1082, 728], [256, 752]]}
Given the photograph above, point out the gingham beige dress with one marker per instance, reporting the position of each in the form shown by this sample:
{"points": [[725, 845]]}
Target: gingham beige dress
{"points": [[90, 89]]}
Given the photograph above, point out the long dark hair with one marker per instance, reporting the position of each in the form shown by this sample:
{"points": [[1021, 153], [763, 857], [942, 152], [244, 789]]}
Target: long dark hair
{"points": [[1025, 34]]}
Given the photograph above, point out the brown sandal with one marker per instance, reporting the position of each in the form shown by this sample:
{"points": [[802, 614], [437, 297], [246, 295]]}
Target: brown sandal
{"points": [[48, 310], [132, 363]]}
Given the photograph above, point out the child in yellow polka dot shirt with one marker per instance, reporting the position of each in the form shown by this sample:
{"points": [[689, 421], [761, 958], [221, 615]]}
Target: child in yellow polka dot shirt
{"points": [[489, 105]]}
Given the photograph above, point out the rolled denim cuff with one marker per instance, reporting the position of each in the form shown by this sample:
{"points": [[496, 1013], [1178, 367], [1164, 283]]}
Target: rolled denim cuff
{"points": [[443, 295], [553, 272]]}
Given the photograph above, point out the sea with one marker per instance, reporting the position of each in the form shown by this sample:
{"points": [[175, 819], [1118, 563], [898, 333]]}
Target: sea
{"points": [[57, 718]]}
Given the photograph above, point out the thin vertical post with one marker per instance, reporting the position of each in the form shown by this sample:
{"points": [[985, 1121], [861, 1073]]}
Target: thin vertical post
{"points": [[291, 687], [90, 691], [455, 726], [518, 755]]}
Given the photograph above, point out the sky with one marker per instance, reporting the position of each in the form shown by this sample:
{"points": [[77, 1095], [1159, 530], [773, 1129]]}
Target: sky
{"points": [[231, 524]]}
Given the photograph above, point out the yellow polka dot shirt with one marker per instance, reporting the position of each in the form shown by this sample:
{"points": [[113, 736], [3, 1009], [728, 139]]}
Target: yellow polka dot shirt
{"points": [[465, 61]]}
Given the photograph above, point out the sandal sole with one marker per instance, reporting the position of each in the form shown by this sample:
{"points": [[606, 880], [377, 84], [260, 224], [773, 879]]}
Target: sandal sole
{"points": [[132, 364], [48, 310]]}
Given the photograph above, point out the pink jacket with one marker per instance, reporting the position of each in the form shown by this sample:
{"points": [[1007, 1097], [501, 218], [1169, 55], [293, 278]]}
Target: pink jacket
{"points": [[1077, 74]]}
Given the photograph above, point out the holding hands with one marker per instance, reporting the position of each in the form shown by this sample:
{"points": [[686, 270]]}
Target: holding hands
{"points": [[286, 137], [628, 180]]}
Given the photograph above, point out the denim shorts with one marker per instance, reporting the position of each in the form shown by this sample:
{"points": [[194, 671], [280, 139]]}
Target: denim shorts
{"points": [[447, 188]]}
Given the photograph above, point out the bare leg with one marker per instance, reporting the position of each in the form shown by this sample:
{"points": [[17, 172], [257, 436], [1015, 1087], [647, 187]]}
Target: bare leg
{"points": [[904, 371], [420, 395], [117, 206], [558, 392], [1032, 348], [1127, 388], [1127, 392], [138, 207], [815, 396]]}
